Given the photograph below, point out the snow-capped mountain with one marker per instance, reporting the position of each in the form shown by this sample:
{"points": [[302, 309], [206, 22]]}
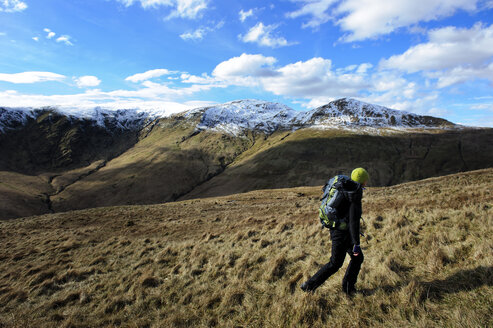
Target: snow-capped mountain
{"points": [[11, 118], [239, 116], [351, 112]]}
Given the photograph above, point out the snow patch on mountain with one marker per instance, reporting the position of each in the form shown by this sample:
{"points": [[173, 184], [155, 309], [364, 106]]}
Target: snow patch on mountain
{"points": [[11, 118], [351, 112], [239, 116], [244, 115]]}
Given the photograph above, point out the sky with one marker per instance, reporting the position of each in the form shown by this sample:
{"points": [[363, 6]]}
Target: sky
{"points": [[429, 57]]}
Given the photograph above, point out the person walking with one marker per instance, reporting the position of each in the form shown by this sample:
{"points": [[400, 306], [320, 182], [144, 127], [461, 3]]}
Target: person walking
{"points": [[344, 230]]}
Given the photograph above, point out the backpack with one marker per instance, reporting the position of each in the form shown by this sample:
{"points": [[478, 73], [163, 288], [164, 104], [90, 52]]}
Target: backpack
{"points": [[333, 195]]}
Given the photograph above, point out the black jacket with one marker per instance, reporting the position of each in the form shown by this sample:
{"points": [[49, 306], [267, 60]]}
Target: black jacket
{"points": [[351, 209]]}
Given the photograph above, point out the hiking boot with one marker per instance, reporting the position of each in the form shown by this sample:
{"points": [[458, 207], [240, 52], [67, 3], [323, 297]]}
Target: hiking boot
{"points": [[307, 287], [349, 291]]}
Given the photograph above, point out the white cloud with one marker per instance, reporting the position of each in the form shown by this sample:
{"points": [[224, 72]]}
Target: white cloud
{"points": [[451, 56], [50, 34], [199, 33], [461, 74], [203, 79], [245, 14], [92, 99], [87, 81], [370, 18], [315, 82], [188, 8], [31, 77], [35, 38], [447, 47], [263, 35], [148, 75], [245, 69], [316, 9], [181, 8], [10, 6], [363, 68], [313, 78], [65, 39], [364, 19], [483, 106]]}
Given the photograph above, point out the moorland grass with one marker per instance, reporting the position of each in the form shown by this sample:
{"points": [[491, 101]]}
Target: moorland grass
{"points": [[238, 261]]}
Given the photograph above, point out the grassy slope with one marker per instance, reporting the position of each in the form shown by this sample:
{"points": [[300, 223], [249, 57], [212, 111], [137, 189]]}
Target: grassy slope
{"points": [[308, 156], [169, 162], [22, 195], [174, 161], [238, 261]]}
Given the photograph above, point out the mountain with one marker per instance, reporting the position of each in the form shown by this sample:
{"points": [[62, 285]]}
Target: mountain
{"points": [[36, 140], [56, 160], [252, 115]]}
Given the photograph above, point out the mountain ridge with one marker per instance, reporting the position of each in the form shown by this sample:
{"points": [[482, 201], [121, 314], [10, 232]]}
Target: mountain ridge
{"points": [[240, 115], [59, 163]]}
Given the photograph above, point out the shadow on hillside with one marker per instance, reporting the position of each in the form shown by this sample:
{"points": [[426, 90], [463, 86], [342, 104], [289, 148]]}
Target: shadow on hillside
{"points": [[463, 280], [390, 159]]}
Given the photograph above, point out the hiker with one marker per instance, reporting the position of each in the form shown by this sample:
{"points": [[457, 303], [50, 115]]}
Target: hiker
{"points": [[344, 229]]}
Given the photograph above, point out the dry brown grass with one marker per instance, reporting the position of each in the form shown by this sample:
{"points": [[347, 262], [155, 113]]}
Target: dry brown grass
{"points": [[238, 261]]}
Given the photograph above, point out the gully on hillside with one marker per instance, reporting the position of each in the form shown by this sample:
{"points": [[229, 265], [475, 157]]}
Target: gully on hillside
{"points": [[217, 150]]}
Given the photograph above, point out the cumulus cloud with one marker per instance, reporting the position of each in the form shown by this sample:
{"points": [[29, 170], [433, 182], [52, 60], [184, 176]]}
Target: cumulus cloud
{"points": [[203, 79], [50, 34], [201, 32], [181, 8], [451, 56], [316, 81], [11, 6], [61, 39], [264, 35], [245, 14], [31, 77], [315, 9], [198, 34], [148, 75], [363, 19], [447, 47], [35, 38], [65, 39], [92, 99], [314, 78], [461, 74], [369, 18], [87, 81], [245, 69], [311, 79]]}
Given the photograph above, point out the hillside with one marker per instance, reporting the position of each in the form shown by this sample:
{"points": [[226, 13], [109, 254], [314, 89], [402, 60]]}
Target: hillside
{"points": [[237, 261], [52, 161]]}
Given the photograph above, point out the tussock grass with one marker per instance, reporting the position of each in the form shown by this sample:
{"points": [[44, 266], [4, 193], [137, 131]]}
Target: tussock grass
{"points": [[238, 261]]}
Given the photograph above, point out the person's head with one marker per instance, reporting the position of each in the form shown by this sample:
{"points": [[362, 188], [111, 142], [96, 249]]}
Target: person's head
{"points": [[360, 175]]}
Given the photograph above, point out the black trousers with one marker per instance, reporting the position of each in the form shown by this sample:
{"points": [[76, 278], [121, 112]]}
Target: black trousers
{"points": [[341, 244]]}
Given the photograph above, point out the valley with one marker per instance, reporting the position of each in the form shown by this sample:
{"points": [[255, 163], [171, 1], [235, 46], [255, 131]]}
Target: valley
{"points": [[52, 162]]}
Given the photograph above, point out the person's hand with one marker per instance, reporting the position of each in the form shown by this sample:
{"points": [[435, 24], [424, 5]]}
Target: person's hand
{"points": [[356, 250]]}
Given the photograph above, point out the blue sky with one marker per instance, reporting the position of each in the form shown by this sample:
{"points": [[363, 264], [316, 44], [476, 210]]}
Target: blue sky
{"points": [[432, 57]]}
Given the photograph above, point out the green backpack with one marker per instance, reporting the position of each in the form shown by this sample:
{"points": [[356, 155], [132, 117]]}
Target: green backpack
{"points": [[333, 195]]}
